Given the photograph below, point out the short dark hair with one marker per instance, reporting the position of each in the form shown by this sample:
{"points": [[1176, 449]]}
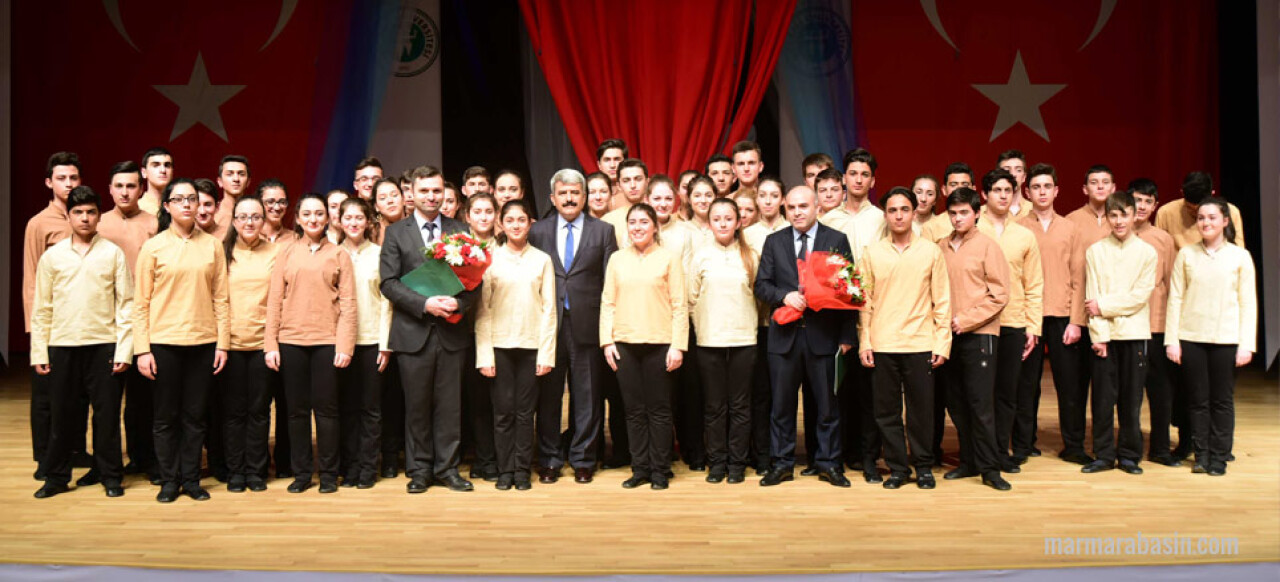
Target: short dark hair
{"points": [[206, 186], [989, 180], [473, 172], [612, 143], [715, 159], [1196, 187], [899, 191], [745, 146], [633, 163], [860, 155], [1010, 155], [82, 195], [957, 168], [1042, 169], [125, 167], [369, 162], [1145, 186], [233, 158], [965, 197], [155, 151], [62, 159], [1119, 200], [829, 174], [818, 159], [1099, 169], [269, 183], [423, 172]]}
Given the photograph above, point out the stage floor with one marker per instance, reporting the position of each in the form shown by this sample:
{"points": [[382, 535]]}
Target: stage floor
{"points": [[694, 527]]}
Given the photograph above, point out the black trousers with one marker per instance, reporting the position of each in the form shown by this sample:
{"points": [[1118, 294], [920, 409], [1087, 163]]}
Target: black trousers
{"points": [[1026, 412], [392, 415], [281, 451], [184, 378], [360, 415], [791, 372], [1008, 368], [139, 435], [432, 378], [646, 387], [42, 417], [1209, 371], [861, 431], [1117, 388], [477, 414], [582, 366], [75, 372], [311, 382], [897, 377], [244, 390], [726, 382], [761, 402], [970, 376], [1160, 388], [515, 396], [690, 406]]}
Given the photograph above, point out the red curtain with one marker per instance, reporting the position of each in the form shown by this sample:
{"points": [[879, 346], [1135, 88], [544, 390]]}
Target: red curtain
{"points": [[661, 75]]}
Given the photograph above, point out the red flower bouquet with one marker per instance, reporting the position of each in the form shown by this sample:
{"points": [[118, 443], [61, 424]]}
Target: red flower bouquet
{"points": [[828, 280], [455, 263]]}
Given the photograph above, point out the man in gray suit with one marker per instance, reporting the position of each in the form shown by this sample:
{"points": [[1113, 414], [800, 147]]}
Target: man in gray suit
{"points": [[580, 247], [429, 349]]}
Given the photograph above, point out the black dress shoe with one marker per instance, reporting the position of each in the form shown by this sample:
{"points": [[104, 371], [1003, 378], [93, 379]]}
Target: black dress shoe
{"points": [[417, 485], [1199, 468], [195, 491], [1130, 467], [505, 481], [350, 481], [775, 476], [872, 477], [960, 473], [1183, 451], [366, 482], [635, 481], [698, 467], [1166, 460], [995, 481], [90, 478], [895, 481], [717, 474], [1217, 470], [168, 493], [155, 479], [389, 472], [924, 480], [1010, 467], [834, 477], [1078, 458], [1098, 467], [113, 489], [1019, 459], [735, 477], [328, 486], [455, 482], [51, 489], [583, 475], [659, 483], [809, 471], [299, 485], [522, 482], [255, 483], [1034, 452], [615, 463], [39, 475], [548, 475], [1231, 457]]}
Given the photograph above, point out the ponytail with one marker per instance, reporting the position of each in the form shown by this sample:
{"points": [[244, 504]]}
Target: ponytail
{"points": [[164, 219]]}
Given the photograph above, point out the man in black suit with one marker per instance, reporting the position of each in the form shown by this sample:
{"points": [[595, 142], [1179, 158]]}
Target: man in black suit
{"points": [[803, 352], [580, 247], [429, 349]]}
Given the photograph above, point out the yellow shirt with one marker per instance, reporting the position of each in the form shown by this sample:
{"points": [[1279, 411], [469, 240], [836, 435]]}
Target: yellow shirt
{"points": [[1177, 219], [1120, 276], [1026, 276], [82, 300], [1212, 298], [937, 228], [908, 307], [863, 228], [644, 299], [181, 292], [149, 204], [249, 279], [517, 305], [127, 232], [618, 218], [755, 234], [373, 311], [721, 300]]}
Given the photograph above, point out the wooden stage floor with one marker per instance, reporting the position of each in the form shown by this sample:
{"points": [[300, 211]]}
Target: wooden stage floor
{"points": [[693, 528]]}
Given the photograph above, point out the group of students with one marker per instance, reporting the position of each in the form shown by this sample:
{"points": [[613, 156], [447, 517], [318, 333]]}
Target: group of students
{"points": [[646, 295]]}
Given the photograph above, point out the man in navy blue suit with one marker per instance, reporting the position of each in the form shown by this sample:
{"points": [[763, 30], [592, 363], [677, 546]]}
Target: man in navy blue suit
{"points": [[803, 352]]}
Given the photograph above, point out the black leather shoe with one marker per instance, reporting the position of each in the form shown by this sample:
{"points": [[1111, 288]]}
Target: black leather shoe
{"points": [[389, 472], [350, 481], [455, 482], [872, 477], [417, 485], [895, 481], [635, 481], [658, 483], [327, 486], [775, 476], [236, 484], [1166, 460], [1231, 457], [366, 482], [1130, 467], [1218, 470], [39, 475], [995, 481], [195, 491], [155, 479], [113, 489], [1019, 459], [547, 475], [1034, 452], [716, 475], [1077, 458], [1010, 467], [299, 485], [809, 471], [255, 483], [522, 482], [168, 493], [90, 478], [1199, 468], [51, 489], [834, 477], [761, 469], [736, 477], [583, 475], [924, 480], [505, 481], [1097, 467], [959, 473]]}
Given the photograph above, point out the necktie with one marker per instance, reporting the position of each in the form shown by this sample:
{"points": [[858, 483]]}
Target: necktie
{"points": [[804, 246], [568, 255], [431, 231]]}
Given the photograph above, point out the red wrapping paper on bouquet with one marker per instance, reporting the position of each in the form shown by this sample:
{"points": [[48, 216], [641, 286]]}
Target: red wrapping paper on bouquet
{"points": [[455, 263], [827, 281]]}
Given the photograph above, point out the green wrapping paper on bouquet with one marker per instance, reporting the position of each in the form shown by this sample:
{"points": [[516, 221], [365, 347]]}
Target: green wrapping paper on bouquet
{"points": [[433, 278]]}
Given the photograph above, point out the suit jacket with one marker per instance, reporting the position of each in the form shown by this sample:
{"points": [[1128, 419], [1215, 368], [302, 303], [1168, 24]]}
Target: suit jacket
{"points": [[584, 283], [777, 277], [411, 325]]}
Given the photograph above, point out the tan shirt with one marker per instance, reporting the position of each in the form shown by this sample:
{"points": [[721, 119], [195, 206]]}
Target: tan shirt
{"points": [[1120, 276], [128, 232], [181, 292], [721, 299], [644, 299], [373, 311], [1026, 275], [312, 300], [517, 306], [284, 237], [149, 204], [1062, 261], [1177, 219], [908, 307], [226, 210], [1165, 253], [82, 300], [249, 280], [44, 230], [937, 228], [1212, 298], [863, 228], [618, 218], [1090, 227], [979, 277]]}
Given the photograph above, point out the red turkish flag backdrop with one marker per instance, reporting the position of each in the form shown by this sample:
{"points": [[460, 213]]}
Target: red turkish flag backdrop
{"points": [[1141, 97], [79, 86]]}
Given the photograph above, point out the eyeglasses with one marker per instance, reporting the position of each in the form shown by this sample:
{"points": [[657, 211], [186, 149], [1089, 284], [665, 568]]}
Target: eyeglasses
{"points": [[282, 202], [249, 217], [194, 199]]}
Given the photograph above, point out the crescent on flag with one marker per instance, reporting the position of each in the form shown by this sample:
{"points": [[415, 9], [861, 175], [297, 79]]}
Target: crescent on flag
{"points": [[1104, 15], [113, 14], [286, 12], [931, 12]]}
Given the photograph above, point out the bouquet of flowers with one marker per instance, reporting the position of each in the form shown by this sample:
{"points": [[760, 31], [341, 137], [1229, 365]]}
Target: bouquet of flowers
{"points": [[455, 263], [828, 280]]}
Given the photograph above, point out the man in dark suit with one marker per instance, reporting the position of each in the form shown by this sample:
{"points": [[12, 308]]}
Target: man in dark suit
{"points": [[429, 349], [580, 247], [803, 352]]}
